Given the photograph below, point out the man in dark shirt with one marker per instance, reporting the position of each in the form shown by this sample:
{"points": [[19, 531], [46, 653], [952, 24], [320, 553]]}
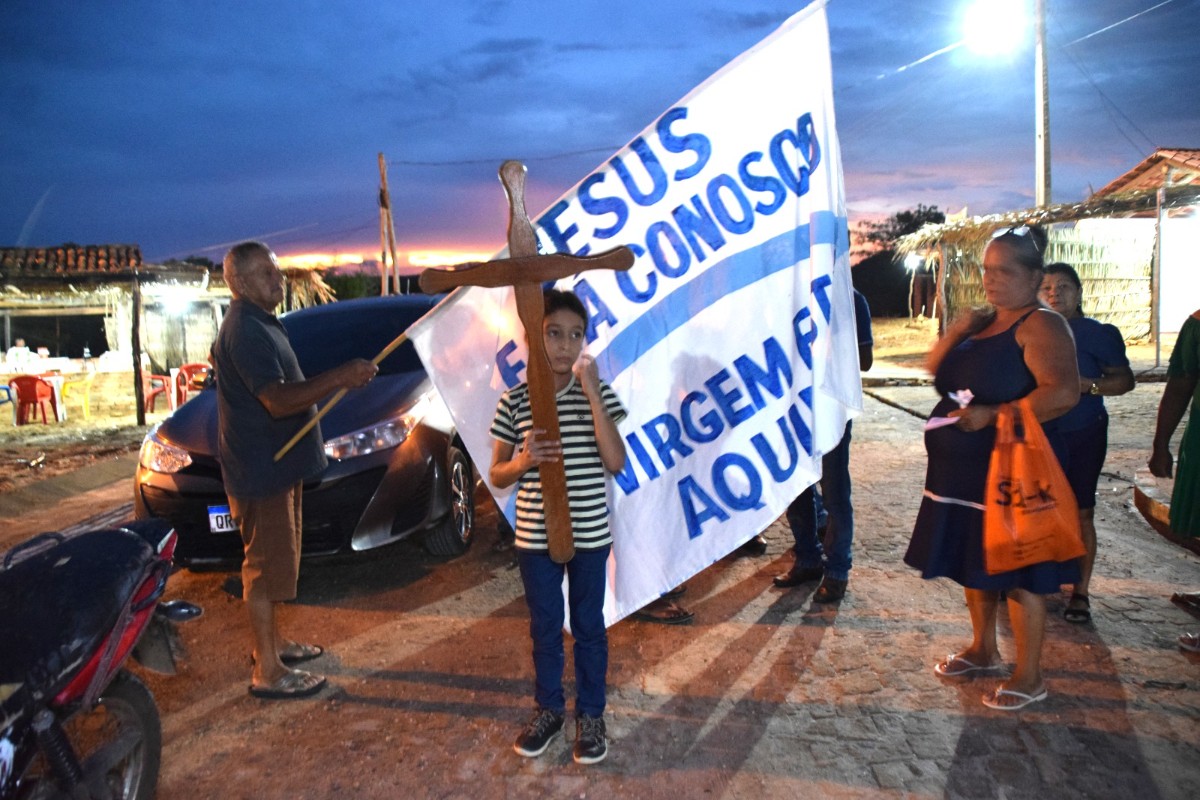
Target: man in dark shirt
{"points": [[815, 561], [262, 400]]}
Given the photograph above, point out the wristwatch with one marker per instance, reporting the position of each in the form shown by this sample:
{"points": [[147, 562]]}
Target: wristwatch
{"points": [[1095, 388]]}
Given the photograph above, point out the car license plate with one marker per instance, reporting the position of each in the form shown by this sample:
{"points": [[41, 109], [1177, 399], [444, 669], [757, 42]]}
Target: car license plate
{"points": [[220, 520]]}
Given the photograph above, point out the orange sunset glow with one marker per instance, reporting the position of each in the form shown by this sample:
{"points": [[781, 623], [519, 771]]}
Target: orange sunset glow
{"points": [[408, 260]]}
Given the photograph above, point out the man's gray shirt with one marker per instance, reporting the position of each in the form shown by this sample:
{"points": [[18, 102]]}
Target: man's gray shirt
{"points": [[252, 351]]}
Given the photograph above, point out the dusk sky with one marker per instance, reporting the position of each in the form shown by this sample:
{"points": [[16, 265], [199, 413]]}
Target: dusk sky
{"points": [[184, 127]]}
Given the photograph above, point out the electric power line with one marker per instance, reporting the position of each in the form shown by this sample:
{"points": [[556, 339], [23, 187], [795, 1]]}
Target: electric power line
{"points": [[280, 236], [477, 161], [1108, 104], [1119, 22]]}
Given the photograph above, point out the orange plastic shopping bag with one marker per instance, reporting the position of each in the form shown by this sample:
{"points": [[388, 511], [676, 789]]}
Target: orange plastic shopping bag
{"points": [[1030, 512]]}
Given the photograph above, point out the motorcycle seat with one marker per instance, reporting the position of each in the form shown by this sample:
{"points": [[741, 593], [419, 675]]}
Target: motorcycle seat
{"points": [[60, 601]]}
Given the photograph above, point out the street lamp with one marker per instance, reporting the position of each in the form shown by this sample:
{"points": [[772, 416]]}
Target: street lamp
{"points": [[993, 27]]}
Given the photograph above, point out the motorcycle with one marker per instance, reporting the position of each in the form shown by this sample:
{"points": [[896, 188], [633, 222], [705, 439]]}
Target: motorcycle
{"points": [[74, 723]]}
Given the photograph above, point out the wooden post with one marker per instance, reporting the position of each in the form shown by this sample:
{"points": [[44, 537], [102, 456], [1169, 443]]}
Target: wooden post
{"points": [[939, 289], [383, 260], [1156, 272], [386, 205], [912, 282], [139, 395]]}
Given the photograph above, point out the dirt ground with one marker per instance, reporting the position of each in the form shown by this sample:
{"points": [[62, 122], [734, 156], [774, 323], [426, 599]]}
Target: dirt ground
{"points": [[35, 452], [764, 694]]}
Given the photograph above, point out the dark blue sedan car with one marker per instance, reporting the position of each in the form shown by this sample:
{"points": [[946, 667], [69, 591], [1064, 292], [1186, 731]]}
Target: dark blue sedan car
{"points": [[396, 466]]}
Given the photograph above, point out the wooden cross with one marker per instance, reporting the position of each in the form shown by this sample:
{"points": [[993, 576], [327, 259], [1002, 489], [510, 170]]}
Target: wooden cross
{"points": [[526, 271]]}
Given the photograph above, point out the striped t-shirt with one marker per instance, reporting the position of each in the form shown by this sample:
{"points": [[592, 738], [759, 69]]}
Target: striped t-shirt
{"points": [[581, 462]]}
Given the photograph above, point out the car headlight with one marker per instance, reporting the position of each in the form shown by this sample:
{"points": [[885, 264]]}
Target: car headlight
{"points": [[383, 435], [159, 455]]}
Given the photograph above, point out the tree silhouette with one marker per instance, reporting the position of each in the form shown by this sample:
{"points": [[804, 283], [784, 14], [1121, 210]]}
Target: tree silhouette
{"points": [[883, 235], [881, 279]]}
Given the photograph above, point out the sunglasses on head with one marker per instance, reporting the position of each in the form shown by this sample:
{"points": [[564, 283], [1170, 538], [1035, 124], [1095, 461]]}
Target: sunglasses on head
{"points": [[1018, 230]]}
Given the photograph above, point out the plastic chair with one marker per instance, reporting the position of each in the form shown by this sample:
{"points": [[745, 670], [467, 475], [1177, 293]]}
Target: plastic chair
{"points": [[7, 396], [190, 379], [152, 387], [32, 394], [83, 385]]}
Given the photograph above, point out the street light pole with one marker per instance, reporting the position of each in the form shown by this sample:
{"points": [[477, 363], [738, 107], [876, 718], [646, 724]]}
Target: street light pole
{"points": [[1042, 100]]}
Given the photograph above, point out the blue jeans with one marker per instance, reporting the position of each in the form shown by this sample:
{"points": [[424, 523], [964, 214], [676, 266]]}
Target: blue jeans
{"points": [[585, 595], [835, 496]]}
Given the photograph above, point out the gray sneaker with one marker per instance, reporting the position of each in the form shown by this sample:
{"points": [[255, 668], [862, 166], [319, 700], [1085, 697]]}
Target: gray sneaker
{"points": [[590, 744], [541, 729]]}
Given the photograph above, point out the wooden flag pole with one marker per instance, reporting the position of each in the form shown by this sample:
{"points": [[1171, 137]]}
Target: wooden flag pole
{"points": [[336, 398]]}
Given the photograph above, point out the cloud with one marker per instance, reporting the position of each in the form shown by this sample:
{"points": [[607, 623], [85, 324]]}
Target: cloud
{"points": [[176, 125]]}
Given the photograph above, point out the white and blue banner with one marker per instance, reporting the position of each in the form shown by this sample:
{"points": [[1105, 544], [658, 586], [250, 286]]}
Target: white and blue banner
{"points": [[731, 341]]}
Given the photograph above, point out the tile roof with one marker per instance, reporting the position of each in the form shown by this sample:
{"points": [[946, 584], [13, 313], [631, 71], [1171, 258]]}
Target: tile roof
{"points": [[1150, 173], [68, 260]]}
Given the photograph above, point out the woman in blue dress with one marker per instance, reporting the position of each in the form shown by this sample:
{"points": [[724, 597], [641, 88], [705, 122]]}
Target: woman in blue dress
{"points": [[1103, 371], [1016, 348]]}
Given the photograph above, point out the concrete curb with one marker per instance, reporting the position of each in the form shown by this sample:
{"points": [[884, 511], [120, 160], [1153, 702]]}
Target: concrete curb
{"points": [[61, 487]]}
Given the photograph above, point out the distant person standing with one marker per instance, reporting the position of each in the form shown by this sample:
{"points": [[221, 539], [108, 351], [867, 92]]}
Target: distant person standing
{"points": [[923, 292], [1183, 387], [262, 400], [19, 353], [1083, 431], [814, 562]]}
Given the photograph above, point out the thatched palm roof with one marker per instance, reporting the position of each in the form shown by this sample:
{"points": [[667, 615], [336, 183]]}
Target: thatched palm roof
{"points": [[306, 288], [972, 234]]}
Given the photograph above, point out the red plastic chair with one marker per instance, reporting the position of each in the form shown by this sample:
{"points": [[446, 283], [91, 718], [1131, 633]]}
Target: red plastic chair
{"points": [[33, 393], [152, 387], [190, 379]]}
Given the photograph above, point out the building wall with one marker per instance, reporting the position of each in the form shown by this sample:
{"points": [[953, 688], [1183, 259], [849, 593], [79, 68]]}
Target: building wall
{"points": [[173, 333], [1180, 294], [1114, 258]]}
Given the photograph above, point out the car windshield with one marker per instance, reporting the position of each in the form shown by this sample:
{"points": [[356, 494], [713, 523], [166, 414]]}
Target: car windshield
{"points": [[329, 335]]}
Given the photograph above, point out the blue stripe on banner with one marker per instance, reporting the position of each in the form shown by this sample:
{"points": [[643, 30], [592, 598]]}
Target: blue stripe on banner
{"points": [[736, 272]]}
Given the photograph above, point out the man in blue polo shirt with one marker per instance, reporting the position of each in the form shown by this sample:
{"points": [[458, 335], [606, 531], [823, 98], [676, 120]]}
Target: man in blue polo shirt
{"points": [[262, 400]]}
